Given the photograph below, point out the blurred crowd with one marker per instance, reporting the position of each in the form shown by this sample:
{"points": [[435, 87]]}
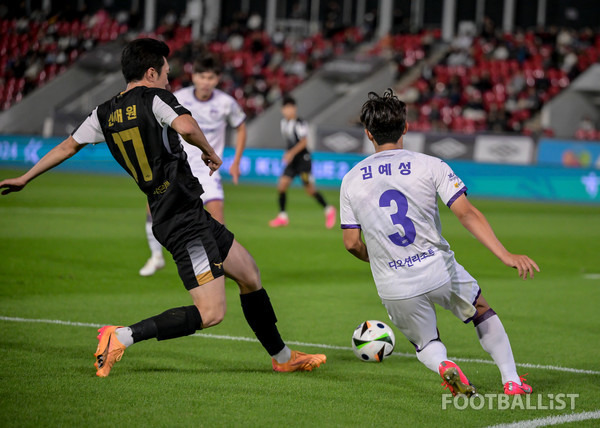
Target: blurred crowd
{"points": [[493, 81], [35, 48], [259, 68], [487, 80]]}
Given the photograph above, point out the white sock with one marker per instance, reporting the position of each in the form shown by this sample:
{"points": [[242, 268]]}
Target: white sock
{"points": [[154, 245], [494, 340], [283, 356], [125, 336], [432, 355]]}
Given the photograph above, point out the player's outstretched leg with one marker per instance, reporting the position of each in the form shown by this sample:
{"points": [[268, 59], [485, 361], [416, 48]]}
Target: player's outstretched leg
{"points": [[109, 350], [260, 315], [455, 379], [494, 340], [113, 340]]}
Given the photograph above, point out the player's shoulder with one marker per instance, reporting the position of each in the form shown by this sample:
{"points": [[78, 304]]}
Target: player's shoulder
{"points": [[154, 91], [184, 93], [364, 163], [150, 94], [419, 157], [218, 93], [222, 97]]}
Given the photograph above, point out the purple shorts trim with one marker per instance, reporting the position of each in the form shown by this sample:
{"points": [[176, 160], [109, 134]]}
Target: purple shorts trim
{"points": [[487, 314], [350, 226], [455, 197]]}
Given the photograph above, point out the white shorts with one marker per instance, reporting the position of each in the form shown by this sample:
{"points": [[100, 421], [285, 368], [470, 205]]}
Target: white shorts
{"points": [[213, 189], [415, 317]]}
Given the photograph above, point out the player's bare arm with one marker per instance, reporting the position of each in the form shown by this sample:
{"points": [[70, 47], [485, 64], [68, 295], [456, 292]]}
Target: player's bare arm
{"points": [[240, 145], [54, 157], [476, 223], [355, 245], [189, 130], [291, 153]]}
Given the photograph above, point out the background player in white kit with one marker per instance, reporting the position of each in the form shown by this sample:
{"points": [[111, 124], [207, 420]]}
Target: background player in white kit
{"points": [[391, 197], [213, 109]]}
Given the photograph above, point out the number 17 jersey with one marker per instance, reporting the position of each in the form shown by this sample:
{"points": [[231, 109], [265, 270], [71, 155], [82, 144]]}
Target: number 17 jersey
{"points": [[392, 197], [136, 126]]}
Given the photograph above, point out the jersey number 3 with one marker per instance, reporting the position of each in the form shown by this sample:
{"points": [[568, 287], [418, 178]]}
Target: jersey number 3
{"points": [[133, 135], [399, 217]]}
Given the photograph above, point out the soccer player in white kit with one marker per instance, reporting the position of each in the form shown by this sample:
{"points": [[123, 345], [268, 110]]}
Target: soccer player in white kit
{"points": [[391, 198], [213, 109]]}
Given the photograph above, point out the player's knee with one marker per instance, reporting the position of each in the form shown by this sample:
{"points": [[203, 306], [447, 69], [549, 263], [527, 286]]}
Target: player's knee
{"points": [[482, 306], [212, 315], [212, 318], [251, 280]]}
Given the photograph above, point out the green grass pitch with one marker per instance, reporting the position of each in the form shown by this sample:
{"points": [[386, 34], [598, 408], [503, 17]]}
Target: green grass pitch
{"points": [[70, 249]]}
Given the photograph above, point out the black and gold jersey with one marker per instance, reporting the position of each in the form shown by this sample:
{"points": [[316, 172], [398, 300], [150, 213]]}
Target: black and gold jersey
{"points": [[136, 127]]}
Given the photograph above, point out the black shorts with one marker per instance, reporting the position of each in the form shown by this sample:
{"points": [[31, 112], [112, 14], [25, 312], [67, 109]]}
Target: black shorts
{"points": [[198, 243], [301, 165]]}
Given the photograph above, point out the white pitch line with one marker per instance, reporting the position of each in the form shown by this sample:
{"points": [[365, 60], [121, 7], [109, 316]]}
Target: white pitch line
{"points": [[551, 420], [315, 345], [44, 321], [592, 276]]}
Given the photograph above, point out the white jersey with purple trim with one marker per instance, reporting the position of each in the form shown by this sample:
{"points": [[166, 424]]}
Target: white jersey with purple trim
{"points": [[392, 197], [213, 116]]}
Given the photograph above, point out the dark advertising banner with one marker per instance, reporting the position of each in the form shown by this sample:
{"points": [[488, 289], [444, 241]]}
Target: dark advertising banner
{"points": [[488, 148]]}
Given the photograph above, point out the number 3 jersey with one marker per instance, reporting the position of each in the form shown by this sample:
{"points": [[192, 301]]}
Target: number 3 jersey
{"points": [[136, 127], [392, 197]]}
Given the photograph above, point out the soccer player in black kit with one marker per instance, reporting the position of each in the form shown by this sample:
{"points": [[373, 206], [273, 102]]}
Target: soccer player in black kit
{"points": [[297, 162], [140, 127]]}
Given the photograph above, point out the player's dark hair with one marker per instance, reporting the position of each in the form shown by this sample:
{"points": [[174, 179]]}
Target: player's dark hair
{"points": [[207, 63], [288, 100], [140, 55], [384, 117]]}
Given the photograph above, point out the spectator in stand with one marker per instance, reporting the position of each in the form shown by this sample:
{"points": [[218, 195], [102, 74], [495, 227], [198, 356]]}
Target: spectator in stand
{"points": [[474, 109], [454, 90], [517, 83], [496, 119]]}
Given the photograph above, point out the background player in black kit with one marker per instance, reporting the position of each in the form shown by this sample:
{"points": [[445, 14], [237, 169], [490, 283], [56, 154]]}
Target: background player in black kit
{"points": [[140, 127], [297, 161]]}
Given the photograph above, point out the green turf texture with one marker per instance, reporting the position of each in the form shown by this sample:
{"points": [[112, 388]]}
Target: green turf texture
{"points": [[70, 249]]}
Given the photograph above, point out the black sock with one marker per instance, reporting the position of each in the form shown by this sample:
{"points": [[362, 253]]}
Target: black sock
{"points": [[176, 322], [320, 199], [282, 201], [261, 317]]}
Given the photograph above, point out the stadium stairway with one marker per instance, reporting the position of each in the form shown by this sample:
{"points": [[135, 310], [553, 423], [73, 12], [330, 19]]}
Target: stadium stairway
{"points": [[70, 95]]}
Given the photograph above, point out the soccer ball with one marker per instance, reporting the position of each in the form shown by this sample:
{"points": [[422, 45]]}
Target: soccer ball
{"points": [[373, 341]]}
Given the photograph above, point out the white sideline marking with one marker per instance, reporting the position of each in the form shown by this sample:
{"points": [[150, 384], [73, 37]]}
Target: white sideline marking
{"points": [[315, 345], [552, 420], [592, 276]]}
